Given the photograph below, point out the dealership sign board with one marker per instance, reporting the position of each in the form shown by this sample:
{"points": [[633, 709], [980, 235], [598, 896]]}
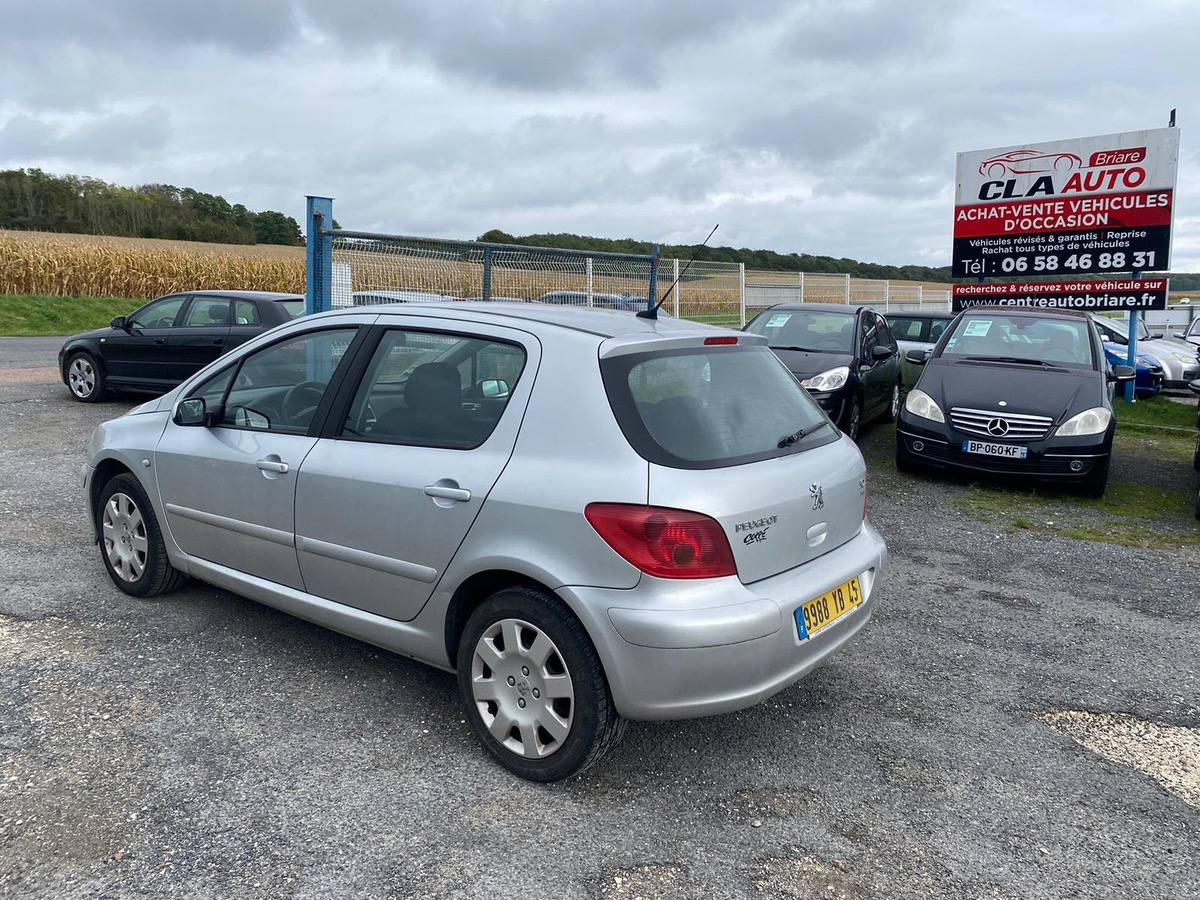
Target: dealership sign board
{"points": [[1090, 296], [1095, 205]]}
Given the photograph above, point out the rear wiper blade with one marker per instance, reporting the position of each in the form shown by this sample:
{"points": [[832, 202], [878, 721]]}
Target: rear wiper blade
{"points": [[788, 439], [801, 349]]}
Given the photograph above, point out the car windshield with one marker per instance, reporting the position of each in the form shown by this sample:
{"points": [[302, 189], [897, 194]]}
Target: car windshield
{"points": [[1121, 327], [1022, 339], [805, 329], [711, 407]]}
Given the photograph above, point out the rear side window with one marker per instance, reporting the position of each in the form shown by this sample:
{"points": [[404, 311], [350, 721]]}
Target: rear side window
{"points": [[712, 407]]}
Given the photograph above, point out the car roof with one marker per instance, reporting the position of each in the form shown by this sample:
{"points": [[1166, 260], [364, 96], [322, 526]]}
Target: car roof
{"points": [[604, 323], [915, 314], [1030, 312], [847, 308], [247, 295]]}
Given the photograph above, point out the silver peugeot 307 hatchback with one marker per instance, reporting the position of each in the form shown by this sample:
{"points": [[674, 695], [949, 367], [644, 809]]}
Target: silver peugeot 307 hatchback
{"points": [[587, 515]]}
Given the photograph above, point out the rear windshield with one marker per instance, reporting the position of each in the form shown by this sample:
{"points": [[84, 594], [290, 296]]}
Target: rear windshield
{"points": [[294, 308], [710, 407]]}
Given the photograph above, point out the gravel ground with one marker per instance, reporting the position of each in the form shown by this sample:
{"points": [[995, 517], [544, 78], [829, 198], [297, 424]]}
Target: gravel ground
{"points": [[1019, 720]]}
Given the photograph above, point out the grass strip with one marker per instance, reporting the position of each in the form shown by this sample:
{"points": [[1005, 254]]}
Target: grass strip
{"points": [[26, 315]]}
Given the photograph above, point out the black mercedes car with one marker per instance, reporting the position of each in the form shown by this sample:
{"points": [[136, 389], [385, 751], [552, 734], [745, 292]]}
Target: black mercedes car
{"points": [[844, 355], [161, 344], [1013, 391]]}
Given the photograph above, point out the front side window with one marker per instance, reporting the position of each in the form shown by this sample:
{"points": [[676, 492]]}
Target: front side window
{"points": [[434, 389], [159, 314], [279, 387], [712, 407]]}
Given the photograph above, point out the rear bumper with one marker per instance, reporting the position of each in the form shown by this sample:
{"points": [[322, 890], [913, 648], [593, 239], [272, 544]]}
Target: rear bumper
{"points": [[674, 650]]}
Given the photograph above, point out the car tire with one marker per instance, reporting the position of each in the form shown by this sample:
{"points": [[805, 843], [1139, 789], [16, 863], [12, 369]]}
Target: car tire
{"points": [[853, 418], [1096, 482], [131, 542], [84, 378], [548, 687], [893, 407], [1196, 456]]}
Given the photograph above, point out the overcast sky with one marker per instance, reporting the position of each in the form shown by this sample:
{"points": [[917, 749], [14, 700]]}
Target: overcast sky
{"points": [[810, 126]]}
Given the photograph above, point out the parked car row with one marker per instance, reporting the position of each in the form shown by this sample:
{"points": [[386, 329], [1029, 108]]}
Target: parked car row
{"points": [[600, 512], [561, 298]]}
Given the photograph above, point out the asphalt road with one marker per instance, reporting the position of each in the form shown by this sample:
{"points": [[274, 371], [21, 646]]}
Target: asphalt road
{"points": [[1019, 720]]}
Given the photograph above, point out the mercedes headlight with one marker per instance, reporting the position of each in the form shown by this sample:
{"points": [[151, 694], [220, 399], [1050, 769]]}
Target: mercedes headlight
{"points": [[1091, 421], [921, 404], [828, 381]]}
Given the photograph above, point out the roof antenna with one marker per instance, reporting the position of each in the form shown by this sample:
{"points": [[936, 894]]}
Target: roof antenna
{"points": [[652, 313]]}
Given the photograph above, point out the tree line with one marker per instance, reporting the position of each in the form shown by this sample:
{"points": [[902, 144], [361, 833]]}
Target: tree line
{"points": [[758, 260], [32, 200]]}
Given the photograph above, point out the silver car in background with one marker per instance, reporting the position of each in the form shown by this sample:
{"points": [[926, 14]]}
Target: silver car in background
{"points": [[589, 516], [1177, 358]]}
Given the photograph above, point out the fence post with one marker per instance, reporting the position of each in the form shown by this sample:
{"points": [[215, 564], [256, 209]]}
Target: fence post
{"points": [[318, 288], [801, 287], [887, 295], [742, 294], [675, 290], [653, 278], [847, 290], [487, 274], [590, 301], [920, 296]]}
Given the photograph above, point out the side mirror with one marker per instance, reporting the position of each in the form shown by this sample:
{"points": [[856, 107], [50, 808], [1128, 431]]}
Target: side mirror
{"points": [[880, 353], [119, 322], [918, 357], [493, 388], [1194, 386], [192, 411], [1156, 335], [1122, 373]]}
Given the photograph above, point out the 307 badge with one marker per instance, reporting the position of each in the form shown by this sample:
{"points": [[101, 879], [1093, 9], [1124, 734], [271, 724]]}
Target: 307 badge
{"points": [[816, 614]]}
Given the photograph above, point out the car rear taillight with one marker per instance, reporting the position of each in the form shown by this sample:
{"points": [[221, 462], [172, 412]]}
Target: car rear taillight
{"points": [[666, 543]]}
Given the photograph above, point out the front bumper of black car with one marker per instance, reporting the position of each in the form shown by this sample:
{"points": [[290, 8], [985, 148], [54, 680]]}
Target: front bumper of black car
{"points": [[934, 444]]}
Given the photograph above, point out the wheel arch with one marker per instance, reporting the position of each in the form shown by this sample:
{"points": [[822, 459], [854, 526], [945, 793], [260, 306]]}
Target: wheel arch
{"points": [[106, 471], [473, 591]]}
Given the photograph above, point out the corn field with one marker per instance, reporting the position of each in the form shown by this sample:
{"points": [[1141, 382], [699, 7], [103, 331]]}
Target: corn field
{"points": [[73, 265]]}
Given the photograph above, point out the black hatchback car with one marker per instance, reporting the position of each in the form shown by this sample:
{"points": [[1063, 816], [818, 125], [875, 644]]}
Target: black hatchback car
{"points": [[1012, 391], [844, 355], [164, 342]]}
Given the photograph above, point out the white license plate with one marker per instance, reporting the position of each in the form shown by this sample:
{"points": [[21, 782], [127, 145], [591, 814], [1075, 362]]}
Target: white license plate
{"points": [[1008, 451]]}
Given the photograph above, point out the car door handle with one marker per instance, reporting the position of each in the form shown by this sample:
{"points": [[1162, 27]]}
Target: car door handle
{"points": [[447, 493], [270, 465], [160, 340], [218, 341]]}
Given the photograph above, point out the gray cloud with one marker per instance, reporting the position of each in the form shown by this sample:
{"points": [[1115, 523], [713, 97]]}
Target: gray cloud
{"points": [[806, 126]]}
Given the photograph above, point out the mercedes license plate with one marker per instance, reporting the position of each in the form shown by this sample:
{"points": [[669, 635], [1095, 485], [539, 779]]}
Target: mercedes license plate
{"points": [[1008, 451]]}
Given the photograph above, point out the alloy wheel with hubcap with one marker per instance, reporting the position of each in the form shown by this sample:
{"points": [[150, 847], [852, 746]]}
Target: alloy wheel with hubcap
{"points": [[84, 378], [131, 541], [533, 686]]}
